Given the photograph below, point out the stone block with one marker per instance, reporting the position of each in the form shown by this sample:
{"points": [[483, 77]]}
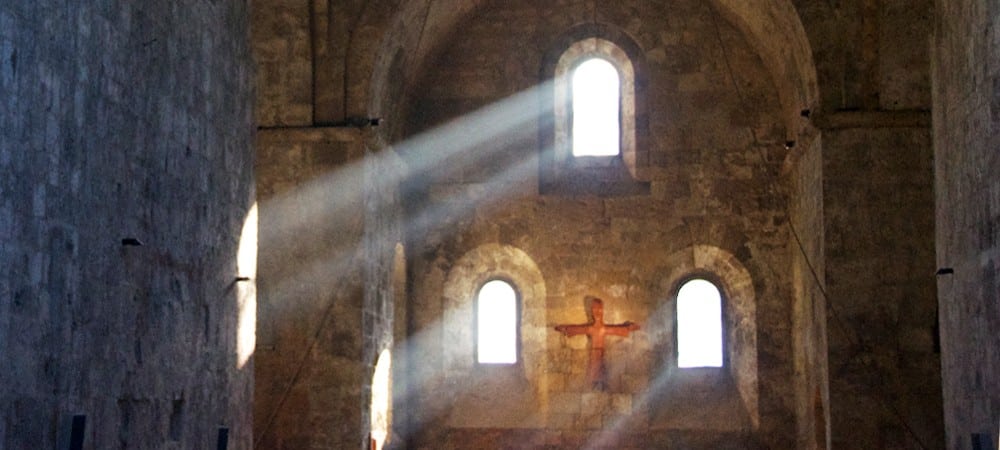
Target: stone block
{"points": [[565, 403], [592, 422], [563, 421], [621, 403], [596, 402]]}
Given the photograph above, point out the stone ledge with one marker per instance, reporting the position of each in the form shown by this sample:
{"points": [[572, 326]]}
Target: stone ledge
{"points": [[309, 134], [873, 119]]}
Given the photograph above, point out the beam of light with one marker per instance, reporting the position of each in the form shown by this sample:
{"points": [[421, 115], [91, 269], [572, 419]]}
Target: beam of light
{"points": [[495, 191], [311, 236], [426, 392], [656, 392], [497, 121], [313, 232], [595, 108], [471, 134], [699, 325], [327, 268], [246, 291], [609, 436], [324, 211], [423, 378], [657, 396]]}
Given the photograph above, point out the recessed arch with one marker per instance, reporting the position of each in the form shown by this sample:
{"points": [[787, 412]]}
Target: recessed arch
{"points": [[512, 390], [596, 128], [559, 64], [480, 265], [775, 31], [736, 287], [773, 28]]}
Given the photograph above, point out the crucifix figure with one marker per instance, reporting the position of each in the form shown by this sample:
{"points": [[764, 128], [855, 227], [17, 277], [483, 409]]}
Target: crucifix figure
{"points": [[596, 330]]}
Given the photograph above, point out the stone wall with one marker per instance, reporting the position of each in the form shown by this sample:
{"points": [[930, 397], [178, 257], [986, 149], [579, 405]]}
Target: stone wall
{"points": [[313, 58], [873, 64], [330, 237], [422, 64], [328, 234], [967, 190], [126, 122], [283, 51], [329, 224], [884, 368], [309, 363], [869, 54], [385, 284], [810, 314], [711, 185]]}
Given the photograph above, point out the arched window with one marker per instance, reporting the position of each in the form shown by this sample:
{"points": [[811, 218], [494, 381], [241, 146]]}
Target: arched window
{"points": [[496, 323], [594, 126], [596, 102], [699, 324]]}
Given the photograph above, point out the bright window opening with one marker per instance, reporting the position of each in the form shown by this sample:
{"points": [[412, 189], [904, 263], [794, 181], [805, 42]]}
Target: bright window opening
{"points": [[595, 126], [381, 409], [699, 325], [496, 323]]}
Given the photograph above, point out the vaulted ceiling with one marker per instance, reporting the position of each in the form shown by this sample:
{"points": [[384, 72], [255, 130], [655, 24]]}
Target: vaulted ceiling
{"points": [[419, 30]]}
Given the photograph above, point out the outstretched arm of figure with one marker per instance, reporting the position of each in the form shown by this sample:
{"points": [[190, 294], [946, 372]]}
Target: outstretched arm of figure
{"points": [[572, 330], [622, 329]]}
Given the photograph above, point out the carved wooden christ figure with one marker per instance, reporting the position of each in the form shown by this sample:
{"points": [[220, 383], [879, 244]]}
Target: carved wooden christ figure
{"points": [[596, 330]]}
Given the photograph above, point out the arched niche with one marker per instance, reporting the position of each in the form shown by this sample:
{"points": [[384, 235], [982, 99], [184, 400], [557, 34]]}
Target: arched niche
{"points": [[494, 395], [556, 155], [739, 372]]}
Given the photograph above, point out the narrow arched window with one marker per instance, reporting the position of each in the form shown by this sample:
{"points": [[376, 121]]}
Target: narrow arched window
{"points": [[496, 323], [596, 100], [590, 139], [699, 324]]}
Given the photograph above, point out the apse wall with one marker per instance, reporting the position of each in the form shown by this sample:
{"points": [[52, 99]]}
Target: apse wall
{"points": [[711, 183], [125, 184]]}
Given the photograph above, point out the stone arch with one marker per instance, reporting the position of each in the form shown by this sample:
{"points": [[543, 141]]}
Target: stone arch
{"points": [[774, 29], [419, 30], [471, 271], [739, 309], [512, 392], [624, 53], [393, 35]]}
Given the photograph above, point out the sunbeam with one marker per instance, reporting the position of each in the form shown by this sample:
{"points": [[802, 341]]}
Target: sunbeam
{"points": [[312, 237], [324, 211]]}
